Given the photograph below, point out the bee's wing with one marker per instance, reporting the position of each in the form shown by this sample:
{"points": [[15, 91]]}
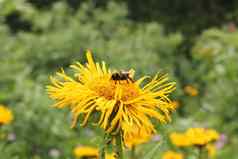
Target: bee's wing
{"points": [[131, 73]]}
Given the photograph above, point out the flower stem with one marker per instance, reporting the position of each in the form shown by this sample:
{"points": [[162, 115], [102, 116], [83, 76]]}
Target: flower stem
{"points": [[133, 154], [103, 147], [200, 152], [118, 146]]}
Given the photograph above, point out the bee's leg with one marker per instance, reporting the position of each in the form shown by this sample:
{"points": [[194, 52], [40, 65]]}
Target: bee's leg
{"points": [[131, 80], [127, 81]]}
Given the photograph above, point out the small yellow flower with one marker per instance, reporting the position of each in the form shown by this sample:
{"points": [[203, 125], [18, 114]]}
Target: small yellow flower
{"points": [[5, 115], [194, 136], [90, 152], [211, 149], [197, 136], [138, 136], [86, 151], [172, 155], [213, 135], [201, 136], [180, 139], [191, 90], [110, 156], [121, 105]]}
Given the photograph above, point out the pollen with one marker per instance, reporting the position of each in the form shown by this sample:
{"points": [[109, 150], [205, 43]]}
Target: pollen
{"points": [[104, 89], [130, 91]]}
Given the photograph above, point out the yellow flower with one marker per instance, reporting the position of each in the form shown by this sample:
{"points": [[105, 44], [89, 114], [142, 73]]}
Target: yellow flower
{"points": [[86, 151], [122, 104], [90, 152], [191, 90], [180, 139], [201, 136], [172, 155], [138, 136], [5, 115], [110, 156], [194, 136], [211, 149], [212, 135]]}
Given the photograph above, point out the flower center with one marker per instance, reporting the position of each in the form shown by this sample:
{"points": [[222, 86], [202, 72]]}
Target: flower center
{"points": [[108, 89], [129, 91]]}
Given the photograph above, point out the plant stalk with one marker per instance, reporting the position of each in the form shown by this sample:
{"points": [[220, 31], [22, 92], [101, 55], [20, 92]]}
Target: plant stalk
{"points": [[200, 152], [133, 153], [103, 147], [118, 146]]}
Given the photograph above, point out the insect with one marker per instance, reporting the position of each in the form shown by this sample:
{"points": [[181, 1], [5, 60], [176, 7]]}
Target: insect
{"points": [[123, 76]]}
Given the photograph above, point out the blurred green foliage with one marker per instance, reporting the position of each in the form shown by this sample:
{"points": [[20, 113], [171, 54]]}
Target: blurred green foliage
{"points": [[38, 38], [216, 53]]}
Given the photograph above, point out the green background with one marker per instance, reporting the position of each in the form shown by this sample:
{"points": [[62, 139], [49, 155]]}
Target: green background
{"points": [[196, 42]]}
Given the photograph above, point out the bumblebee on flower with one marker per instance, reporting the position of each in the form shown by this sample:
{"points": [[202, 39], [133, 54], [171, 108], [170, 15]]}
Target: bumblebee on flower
{"points": [[121, 101], [120, 104]]}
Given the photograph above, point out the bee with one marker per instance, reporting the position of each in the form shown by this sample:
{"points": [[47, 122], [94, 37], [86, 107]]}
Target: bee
{"points": [[122, 76]]}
